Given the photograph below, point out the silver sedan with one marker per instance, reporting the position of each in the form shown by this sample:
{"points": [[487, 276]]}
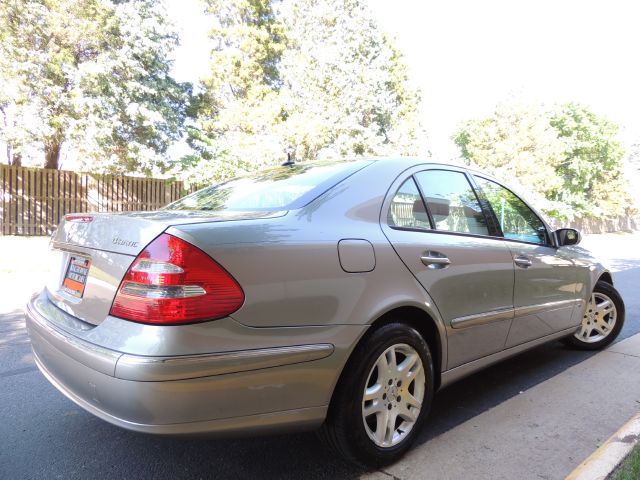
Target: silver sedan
{"points": [[337, 296]]}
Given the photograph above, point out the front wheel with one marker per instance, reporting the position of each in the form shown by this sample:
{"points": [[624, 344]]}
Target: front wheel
{"points": [[602, 320], [383, 397]]}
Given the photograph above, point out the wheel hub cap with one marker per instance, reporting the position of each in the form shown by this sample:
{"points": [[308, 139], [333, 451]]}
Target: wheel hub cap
{"points": [[598, 320], [393, 395]]}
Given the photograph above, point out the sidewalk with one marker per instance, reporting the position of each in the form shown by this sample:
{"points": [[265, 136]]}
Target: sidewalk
{"points": [[24, 264], [543, 433]]}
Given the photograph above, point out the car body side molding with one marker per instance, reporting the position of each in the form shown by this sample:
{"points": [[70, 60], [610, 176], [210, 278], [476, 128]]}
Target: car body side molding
{"points": [[457, 373]]}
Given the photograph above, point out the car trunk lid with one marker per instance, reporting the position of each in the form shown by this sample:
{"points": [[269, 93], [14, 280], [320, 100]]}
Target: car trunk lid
{"points": [[90, 253]]}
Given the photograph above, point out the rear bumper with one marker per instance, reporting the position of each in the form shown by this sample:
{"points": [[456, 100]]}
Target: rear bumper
{"points": [[240, 392]]}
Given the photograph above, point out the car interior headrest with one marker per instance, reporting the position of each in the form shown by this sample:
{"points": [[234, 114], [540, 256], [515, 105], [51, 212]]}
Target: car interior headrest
{"points": [[439, 207], [418, 208]]}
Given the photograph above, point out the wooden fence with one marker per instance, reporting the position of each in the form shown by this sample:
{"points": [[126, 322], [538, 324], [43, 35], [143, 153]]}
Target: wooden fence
{"points": [[34, 199], [621, 223]]}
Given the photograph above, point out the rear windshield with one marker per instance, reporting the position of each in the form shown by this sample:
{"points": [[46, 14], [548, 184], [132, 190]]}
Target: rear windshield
{"points": [[279, 188]]}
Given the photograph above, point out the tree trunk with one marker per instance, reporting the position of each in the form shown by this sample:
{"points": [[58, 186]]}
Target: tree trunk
{"points": [[52, 154], [16, 160]]}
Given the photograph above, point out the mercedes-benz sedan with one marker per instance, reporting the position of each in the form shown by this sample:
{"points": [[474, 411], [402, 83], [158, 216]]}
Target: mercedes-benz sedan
{"points": [[335, 295]]}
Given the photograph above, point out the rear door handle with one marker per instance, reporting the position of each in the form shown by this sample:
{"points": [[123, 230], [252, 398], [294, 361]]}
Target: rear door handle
{"points": [[435, 260], [522, 261]]}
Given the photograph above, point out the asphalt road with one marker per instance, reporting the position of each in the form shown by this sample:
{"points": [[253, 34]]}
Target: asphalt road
{"points": [[44, 435]]}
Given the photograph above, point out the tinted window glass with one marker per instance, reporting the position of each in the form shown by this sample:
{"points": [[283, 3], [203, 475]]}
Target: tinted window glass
{"points": [[277, 188], [452, 202], [407, 208], [517, 220]]}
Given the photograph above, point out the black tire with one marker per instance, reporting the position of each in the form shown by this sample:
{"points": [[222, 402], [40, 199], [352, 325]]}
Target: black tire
{"points": [[344, 429], [608, 290]]}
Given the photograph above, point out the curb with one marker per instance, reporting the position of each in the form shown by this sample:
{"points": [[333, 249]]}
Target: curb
{"points": [[600, 464]]}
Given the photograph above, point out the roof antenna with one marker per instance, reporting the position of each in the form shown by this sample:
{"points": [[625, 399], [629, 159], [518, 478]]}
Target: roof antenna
{"points": [[291, 157]]}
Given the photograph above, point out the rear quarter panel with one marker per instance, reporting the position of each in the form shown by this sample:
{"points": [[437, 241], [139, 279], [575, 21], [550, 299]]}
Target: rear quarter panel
{"points": [[289, 267]]}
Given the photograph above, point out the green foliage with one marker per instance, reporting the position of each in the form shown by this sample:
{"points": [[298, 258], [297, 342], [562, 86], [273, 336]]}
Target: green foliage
{"points": [[516, 143], [567, 157], [347, 92], [238, 105], [209, 163], [316, 78], [592, 167], [92, 74], [629, 469]]}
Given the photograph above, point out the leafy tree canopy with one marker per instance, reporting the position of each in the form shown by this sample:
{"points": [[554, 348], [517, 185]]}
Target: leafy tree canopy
{"points": [[93, 75], [567, 156], [592, 169], [315, 79]]}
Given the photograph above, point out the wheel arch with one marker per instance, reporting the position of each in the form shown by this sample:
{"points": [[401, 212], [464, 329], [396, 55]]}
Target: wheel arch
{"points": [[426, 326], [419, 319], [606, 277]]}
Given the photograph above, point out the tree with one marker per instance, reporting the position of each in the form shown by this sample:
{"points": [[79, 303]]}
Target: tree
{"points": [[11, 118], [592, 169], [567, 156], [516, 143], [239, 104], [94, 74], [346, 90], [318, 78]]}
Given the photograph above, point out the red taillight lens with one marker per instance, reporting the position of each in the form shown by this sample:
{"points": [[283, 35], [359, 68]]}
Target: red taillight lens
{"points": [[172, 282]]}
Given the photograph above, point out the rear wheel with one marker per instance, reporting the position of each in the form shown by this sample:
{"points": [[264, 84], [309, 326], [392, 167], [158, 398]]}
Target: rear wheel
{"points": [[383, 397], [602, 320]]}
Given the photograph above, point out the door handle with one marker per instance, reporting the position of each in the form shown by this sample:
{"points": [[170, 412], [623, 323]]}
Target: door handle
{"points": [[522, 261], [435, 260]]}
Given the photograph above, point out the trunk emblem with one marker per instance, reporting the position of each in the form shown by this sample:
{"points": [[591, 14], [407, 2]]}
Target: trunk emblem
{"points": [[125, 243]]}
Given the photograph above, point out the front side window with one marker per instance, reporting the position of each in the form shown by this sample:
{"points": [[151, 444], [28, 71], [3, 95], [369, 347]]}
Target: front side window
{"points": [[517, 220], [452, 202], [407, 208]]}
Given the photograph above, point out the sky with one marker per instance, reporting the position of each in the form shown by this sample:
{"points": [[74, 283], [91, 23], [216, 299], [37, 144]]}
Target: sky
{"points": [[466, 56]]}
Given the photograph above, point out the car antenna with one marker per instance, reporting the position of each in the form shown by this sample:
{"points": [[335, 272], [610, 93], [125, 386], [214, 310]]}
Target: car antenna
{"points": [[291, 161]]}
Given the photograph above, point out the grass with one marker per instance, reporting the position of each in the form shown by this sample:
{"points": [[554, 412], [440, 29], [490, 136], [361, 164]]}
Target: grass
{"points": [[629, 469]]}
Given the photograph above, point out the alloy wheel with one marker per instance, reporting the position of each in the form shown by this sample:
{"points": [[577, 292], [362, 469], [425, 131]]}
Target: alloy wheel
{"points": [[599, 319], [393, 395]]}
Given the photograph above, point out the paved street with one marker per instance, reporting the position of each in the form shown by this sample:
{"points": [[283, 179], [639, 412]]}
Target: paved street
{"points": [[533, 416]]}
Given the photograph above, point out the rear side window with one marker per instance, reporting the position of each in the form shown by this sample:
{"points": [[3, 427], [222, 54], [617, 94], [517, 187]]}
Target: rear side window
{"points": [[279, 188], [517, 220], [407, 208], [452, 202]]}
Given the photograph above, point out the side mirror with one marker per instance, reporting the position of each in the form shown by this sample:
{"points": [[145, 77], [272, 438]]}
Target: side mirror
{"points": [[567, 236]]}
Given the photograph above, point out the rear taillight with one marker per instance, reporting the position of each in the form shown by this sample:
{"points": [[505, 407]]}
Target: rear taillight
{"points": [[173, 282]]}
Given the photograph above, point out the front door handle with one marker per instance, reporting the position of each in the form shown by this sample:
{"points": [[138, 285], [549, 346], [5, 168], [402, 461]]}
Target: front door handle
{"points": [[522, 261], [435, 260]]}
